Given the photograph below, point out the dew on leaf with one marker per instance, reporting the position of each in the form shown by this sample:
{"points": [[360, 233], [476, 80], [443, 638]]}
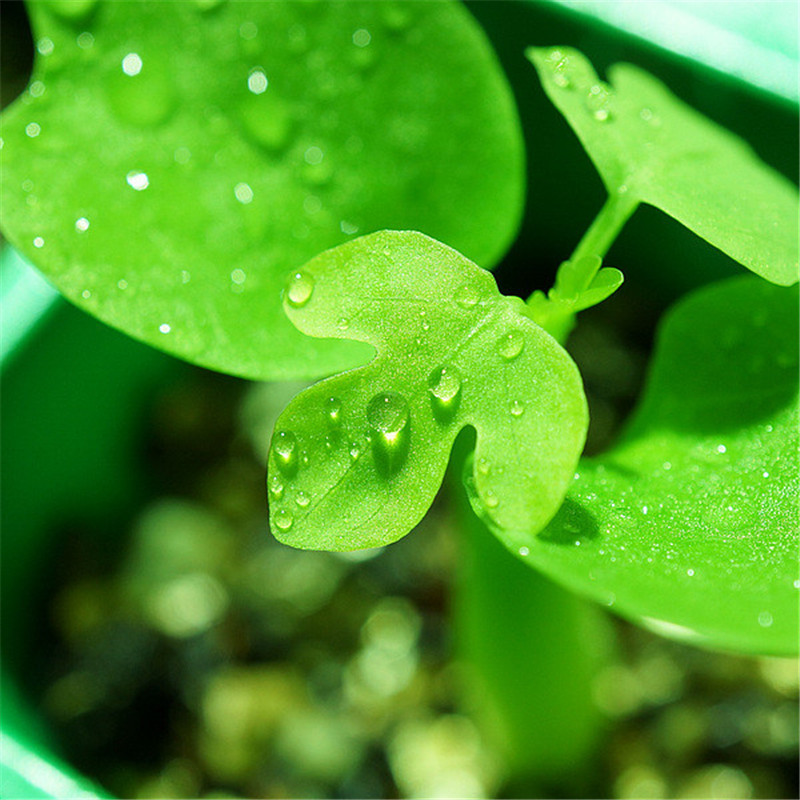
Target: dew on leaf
{"points": [[45, 46], [765, 619], [333, 411], [164, 327], [122, 284], [137, 180], [348, 228], [491, 499], [301, 287], [466, 296], [81, 224], [285, 447], [257, 81], [276, 487], [302, 499], [510, 345], [389, 420], [444, 385], [517, 408], [38, 242], [238, 276], [597, 102], [36, 89], [355, 451], [284, 519], [85, 40], [33, 129], [524, 551], [343, 323], [86, 294], [132, 64], [484, 467], [243, 193]]}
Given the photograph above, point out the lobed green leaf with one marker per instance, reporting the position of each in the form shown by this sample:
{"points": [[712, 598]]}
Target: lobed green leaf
{"points": [[689, 524], [651, 147], [357, 459], [171, 162]]}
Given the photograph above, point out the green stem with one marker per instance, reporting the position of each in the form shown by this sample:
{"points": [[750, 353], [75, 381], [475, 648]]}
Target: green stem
{"points": [[606, 226], [554, 312]]}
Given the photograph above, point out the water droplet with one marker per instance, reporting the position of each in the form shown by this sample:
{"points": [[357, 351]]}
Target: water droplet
{"points": [[721, 448], [343, 323], [86, 294], [36, 89], [517, 408], [560, 65], [186, 276], [444, 385], [765, 474], [484, 467], [137, 180], [238, 276], [122, 284], [362, 37], [132, 64], [510, 345], [524, 551], [313, 155], [85, 40], [765, 619], [302, 499], [285, 448], [389, 420], [33, 129], [597, 100], [38, 242], [466, 296], [301, 287], [355, 451], [490, 500], [81, 224], [348, 228], [284, 520], [164, 327], [276, 487], [243, 193], [690, 572], [333, 411], [45, 46], [257, 81]]}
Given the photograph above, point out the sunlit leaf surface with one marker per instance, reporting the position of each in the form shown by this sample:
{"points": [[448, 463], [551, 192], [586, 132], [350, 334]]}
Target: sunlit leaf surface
{"points": [[650, 147], [357, 459], [172, 161], [690, 524]]}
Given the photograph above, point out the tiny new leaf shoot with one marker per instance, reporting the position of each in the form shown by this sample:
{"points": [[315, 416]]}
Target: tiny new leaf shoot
{"points": [[650, 147], [357, 459]]}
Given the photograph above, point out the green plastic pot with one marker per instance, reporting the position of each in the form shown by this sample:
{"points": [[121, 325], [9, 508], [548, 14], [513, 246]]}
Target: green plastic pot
{"points": [[72, 388]]}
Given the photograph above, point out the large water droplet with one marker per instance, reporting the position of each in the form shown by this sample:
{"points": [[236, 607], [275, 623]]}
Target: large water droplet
{"points": [[510, 344], [285, 448], [444, 385], [389, 420], [467, 296], [300, 289], [283, 519]]}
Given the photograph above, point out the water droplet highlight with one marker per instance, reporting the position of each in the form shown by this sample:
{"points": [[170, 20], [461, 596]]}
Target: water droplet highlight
{"points": [[284, 520], [137, 180], [597, 102], [466, 296], [257, 81], [333, 412], [389, 419], [81, 224], [276, 487], [301, 287], [510, 345], [302, 499], [285, 448], [517, 408], [444, 385]]}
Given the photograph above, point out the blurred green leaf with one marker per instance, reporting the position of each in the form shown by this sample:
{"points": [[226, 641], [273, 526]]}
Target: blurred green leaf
{"points": [[357, 459], [689, 524], [171, 162], [650, 147]]}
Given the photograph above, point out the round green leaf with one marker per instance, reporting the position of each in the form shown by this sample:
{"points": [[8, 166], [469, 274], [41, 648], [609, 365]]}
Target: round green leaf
{"points": [[357, 459], [171, 162], [648, 146], [690, 524]]}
